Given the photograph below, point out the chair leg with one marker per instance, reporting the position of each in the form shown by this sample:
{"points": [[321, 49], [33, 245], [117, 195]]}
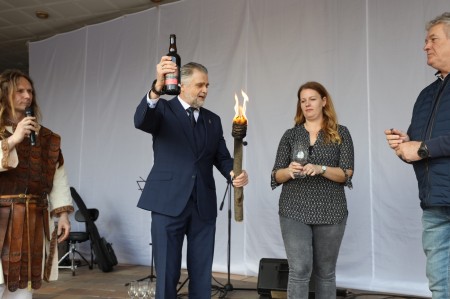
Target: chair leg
{"points": [[72, 252], [62, 258], [72, 263], [89, 264], [92, 258], [73, 266]]}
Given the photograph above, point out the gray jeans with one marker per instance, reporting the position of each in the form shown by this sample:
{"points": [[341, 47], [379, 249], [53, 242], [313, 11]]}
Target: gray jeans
{"points": [[311, 247]]}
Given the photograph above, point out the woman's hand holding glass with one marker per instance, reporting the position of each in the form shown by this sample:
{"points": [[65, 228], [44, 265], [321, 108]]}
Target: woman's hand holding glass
{"points": [[295, 170], [299, 159]]}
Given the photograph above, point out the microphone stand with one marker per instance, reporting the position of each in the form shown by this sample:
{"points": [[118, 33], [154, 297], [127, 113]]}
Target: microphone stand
{"points": [[151, 276], [228, 287]]}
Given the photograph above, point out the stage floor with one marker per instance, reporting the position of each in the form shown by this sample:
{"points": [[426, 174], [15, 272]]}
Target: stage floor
{"points": [[96, 284]]}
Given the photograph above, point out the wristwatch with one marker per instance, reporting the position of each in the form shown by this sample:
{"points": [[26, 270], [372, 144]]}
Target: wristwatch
{"points": [[324, 168], [423, 151]]}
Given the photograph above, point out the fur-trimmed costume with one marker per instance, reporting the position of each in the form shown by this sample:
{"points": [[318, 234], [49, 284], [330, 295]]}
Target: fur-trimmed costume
{"points": [[33, 188]]}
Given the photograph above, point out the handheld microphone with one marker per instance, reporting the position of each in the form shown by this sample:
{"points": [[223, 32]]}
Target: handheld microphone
{"points": [[29, 112]]}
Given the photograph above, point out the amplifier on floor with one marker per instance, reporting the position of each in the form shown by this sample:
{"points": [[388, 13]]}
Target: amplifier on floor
{"points": [[273, 276]]}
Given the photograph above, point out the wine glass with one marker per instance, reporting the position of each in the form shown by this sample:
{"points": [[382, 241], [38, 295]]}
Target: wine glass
{"points": [[151, 289], [143, 289], [300, 155], [133, 289]]}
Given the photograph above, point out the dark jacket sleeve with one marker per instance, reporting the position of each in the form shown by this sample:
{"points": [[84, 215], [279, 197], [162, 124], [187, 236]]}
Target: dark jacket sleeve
{"points": [[146, 118], [439, 146]]}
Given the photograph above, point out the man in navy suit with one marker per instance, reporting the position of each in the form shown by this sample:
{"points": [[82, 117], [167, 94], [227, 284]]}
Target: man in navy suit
{"points": [[180, 189]]}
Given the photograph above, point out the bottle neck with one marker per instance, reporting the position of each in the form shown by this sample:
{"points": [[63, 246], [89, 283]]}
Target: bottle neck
{"points": [[173, 44]]}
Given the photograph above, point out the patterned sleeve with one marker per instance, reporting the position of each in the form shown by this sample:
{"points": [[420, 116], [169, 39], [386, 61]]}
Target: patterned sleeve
{"points": [[347, 158], [282, 159]]}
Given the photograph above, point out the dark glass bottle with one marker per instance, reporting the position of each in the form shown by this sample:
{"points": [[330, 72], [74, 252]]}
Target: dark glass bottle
{"points": [[172, 81]]}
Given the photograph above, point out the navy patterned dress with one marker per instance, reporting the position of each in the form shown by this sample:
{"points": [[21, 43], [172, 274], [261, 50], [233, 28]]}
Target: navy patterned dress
{"points": [[314, 199]]}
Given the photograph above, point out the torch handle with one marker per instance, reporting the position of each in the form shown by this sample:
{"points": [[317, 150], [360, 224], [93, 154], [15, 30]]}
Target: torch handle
{"points": [[238, 191]]}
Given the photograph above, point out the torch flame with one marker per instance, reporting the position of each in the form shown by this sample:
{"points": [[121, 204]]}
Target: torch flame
{"points": [[239, 116]]}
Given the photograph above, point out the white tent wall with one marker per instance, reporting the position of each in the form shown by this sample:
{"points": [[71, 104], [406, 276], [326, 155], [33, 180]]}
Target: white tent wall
{"points": [[367, 53]]}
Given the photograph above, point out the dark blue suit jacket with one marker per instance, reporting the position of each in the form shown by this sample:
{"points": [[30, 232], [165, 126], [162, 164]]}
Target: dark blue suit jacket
{"points": [[176, 166]]}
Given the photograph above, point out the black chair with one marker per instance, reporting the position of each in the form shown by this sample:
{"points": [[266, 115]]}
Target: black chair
{"points": [[76, 238]]}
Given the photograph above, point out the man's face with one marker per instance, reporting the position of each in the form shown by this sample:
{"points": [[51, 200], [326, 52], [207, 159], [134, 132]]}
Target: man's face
{"points": [[437, 46], [194, 91], [23, 96]]}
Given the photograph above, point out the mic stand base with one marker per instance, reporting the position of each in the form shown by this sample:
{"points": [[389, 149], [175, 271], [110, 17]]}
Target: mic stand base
{"points": [[182, 284], [228, 287]]}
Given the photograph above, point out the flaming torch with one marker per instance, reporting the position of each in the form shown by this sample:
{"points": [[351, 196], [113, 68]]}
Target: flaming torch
{"points": [[239, 132]]}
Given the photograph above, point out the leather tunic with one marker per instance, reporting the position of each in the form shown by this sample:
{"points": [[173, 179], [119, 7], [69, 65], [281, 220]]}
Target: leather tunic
{"points": [[24, 210]]}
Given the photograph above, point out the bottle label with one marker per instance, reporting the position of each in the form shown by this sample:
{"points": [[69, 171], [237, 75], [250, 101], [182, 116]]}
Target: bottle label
{"points": [[171, 79]]}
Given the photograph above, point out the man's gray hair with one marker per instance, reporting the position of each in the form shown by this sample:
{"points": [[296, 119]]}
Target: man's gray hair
{"points": [[187, 70], [442, 19]]}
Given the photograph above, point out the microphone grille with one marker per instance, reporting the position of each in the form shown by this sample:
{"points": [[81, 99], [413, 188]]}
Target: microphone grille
{"points": [[29, 111]]}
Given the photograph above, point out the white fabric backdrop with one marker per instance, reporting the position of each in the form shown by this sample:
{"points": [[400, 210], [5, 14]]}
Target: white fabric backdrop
{"points": [[367, 53]]}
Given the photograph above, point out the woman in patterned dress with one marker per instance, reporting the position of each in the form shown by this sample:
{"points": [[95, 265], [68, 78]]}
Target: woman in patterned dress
{"points": [[312, 207]]}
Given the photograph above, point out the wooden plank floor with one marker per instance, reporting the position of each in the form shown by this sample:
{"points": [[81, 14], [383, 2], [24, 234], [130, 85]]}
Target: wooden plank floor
{"points": [[87, 284]]}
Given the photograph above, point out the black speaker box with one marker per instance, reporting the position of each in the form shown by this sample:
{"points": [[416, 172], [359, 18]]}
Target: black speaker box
{"points": [[273, 276]]}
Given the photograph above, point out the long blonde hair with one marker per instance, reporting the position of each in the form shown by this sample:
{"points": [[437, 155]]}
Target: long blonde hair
{"points": [[9, 81], [329, 123]]}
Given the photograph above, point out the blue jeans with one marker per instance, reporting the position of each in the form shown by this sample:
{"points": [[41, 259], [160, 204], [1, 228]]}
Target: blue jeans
{"points": [[311, 247], [436, 245]]}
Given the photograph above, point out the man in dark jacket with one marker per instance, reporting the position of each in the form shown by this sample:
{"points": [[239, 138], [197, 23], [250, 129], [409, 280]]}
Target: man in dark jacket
{"points": [[427, 146]]}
